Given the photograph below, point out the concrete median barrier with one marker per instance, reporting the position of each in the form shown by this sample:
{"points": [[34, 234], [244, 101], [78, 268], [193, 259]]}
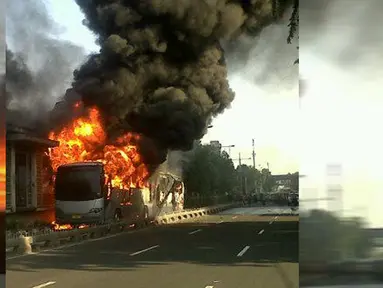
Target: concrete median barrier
{"points": [[23, 243]]}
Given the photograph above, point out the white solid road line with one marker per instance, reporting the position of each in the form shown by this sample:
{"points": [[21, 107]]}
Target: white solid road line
{"points": [[45, 284], [243, 251], [260, 232], [77, 243], [195, 231], [142, 251]]}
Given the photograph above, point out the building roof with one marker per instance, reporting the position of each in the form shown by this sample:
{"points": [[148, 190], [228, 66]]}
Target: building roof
{"points": [[375, 232], [20, 130], [283, 177]]}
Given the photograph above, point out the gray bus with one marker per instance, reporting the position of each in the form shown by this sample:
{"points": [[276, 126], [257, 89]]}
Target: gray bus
{"points": [[84, 196]]}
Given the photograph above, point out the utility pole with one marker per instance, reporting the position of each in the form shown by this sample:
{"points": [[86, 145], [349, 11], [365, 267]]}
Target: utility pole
{"points": [[242, 178], [253, 144]]}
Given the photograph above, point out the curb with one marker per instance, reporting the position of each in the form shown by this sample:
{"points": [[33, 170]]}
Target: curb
{"points": [[24, 244]]}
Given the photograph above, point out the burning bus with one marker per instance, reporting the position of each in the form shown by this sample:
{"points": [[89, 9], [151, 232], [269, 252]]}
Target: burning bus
{"points": [[97, 181], [85, 195]]}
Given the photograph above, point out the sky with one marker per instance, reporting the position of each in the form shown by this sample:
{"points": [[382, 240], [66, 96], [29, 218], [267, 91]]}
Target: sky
{"points": [[258, 108]]}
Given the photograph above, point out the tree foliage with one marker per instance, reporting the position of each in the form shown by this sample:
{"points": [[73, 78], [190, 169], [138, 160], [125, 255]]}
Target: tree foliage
{"points": [[327, 238], [293, 25], [208, 173]]}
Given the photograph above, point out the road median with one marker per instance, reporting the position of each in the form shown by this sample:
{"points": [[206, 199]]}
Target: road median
{"points": [[26, 243]]}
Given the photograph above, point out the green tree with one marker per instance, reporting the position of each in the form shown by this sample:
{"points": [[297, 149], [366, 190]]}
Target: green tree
{"points": [[249, 176], [268, 181], [208, 175]]}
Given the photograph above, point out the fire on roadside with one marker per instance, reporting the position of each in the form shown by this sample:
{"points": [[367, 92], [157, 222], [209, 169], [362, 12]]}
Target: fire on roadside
{"points": [[62, 227], [85, 139]]}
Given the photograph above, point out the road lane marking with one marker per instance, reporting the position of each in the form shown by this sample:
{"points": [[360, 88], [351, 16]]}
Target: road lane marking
{"points": [[144, 250], [45, 284], [209, 286], [271, 222], [220, 222], [195, 231], [243, 251], [260, 232], [234, 217]]}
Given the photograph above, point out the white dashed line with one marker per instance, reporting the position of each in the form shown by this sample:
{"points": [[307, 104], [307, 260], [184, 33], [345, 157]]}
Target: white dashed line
{"points": [[142, 251], [209, 286], [271, 222], [243, 251], [260, 232], [234, 217], [45, 284], [195, 231]]}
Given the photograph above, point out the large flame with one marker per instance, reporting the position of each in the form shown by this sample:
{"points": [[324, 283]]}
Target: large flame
{"points": [[84, 139]]}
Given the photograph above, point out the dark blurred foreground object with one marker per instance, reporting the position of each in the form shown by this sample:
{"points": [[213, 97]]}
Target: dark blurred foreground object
{"points": [[356, 272], [2, 244]]}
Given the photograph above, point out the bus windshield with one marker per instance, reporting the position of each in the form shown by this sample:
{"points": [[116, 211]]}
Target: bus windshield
{"points": [[78, 183]]}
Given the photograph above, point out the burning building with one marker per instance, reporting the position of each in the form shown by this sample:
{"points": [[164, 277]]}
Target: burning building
{"points": [[28, 187]]}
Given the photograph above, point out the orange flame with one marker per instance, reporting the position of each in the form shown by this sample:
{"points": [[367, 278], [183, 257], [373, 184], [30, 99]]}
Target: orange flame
{"points": [[85, 140], [62, 227], [2, 176]]}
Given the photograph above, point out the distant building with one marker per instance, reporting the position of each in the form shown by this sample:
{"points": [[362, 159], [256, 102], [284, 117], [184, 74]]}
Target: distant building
{"points": [[217, 145], [283, 180], [286, 181]]}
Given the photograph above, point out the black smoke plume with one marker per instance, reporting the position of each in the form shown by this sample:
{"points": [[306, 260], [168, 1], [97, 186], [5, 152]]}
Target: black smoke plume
{"points": [[39, 65], [161, 69]]}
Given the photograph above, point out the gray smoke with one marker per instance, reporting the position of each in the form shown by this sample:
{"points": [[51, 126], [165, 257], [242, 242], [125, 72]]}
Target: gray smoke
{"points": [[348, 32], [173, 164], [267, 60], [39, 65]]}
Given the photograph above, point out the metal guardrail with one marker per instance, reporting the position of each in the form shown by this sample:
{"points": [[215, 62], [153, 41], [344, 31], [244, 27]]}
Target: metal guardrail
{"points": [[25, 243]]}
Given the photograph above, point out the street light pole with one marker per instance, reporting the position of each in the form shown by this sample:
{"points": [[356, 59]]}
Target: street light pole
{"points": [[242, 177], [229, 148]]}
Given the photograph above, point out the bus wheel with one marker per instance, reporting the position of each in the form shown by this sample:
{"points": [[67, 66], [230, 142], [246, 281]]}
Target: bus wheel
{"points": [[146, 217], [117, 216]]}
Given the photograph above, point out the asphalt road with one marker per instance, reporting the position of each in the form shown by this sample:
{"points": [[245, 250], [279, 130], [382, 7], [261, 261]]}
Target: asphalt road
{"points": [[234, 249]]}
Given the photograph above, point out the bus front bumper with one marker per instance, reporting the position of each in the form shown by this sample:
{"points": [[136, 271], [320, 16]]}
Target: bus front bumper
{"points": [[89, 218]]}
